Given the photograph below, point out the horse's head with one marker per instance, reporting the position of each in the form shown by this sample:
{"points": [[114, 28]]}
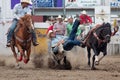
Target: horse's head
{"points": [[27, 20], [105, 32]]}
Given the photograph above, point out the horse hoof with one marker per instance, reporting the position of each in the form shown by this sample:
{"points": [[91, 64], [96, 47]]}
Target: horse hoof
{"points": [[20, 58], [17, 66], [96, 62], [93, 68], [26, 61], [89, 64]]}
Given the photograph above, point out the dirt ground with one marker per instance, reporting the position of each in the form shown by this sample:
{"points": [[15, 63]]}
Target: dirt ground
{"points": [[109, 69]]}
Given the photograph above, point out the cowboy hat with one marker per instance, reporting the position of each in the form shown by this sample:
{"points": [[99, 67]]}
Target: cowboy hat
{"points": [[49, 33], [26, 1], [70, 17], [59, 16], [83, 12], [65, 19]]}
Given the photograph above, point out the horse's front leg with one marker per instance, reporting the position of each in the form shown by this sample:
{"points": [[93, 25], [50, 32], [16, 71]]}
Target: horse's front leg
{"points": [[21, 53], [27, 58], [104, 50], [14, 53], [94, 58], [15, 56], [93, 64], [104, 54], [89, 55]]}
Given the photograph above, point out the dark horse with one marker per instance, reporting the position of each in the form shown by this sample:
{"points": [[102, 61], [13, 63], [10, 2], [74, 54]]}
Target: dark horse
{"points": [[22, 39], [98, 42]]}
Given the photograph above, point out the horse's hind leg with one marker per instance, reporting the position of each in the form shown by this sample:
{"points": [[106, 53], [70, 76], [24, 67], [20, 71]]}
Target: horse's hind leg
{"points": [[89, 55]]}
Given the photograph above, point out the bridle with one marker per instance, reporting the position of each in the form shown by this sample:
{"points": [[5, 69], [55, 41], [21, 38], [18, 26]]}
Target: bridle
{"points": [[28, 31], [99, 39]]}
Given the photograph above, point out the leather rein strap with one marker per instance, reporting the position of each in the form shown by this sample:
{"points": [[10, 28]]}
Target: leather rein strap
{"points": [[99, 40]]}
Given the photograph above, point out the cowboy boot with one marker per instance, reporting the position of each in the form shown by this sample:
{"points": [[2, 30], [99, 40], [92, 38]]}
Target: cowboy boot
{"points": [[8, 44], [35, 43]]}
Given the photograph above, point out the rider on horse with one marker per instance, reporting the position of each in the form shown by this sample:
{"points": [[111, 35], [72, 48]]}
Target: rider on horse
{"points": [[85, 20], [19, 11]]}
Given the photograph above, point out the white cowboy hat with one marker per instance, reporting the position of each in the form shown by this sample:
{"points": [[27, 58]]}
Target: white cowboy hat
{"points": [[70, 17], [83, 12], [49, 33], [59, 16], [65, 19], [26, 1]]}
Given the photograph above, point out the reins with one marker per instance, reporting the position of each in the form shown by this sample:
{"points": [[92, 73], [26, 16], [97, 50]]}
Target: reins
{"points": [[97, 37]]}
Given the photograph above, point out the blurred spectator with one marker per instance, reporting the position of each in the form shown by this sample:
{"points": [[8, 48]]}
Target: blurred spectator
{"points": [[66, 21], [70, 25], [59, 27]]}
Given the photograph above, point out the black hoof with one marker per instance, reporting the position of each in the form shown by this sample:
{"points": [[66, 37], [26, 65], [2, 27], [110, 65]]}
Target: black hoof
{"points": [[93, 68], [89, 64]]}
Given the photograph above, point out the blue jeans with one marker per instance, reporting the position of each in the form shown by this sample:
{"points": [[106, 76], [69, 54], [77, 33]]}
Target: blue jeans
{"points": [[34, 36], [71, 41], [12, 28]]}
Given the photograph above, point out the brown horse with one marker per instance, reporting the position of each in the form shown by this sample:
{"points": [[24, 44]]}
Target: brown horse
{"points": [[22, 39]]}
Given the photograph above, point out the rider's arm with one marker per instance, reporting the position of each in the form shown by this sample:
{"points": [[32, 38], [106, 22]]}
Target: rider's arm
{"points": [[115, 30], [28, 10], [89, 19], [15, 11]]}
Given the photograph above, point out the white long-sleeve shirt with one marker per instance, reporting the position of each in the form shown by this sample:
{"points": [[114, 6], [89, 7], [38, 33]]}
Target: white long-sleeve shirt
{"points": [[19, 12]]}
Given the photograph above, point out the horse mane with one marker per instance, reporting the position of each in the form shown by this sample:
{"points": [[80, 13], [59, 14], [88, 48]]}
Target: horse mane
{"points": [[105, 25], [24, 20]]}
